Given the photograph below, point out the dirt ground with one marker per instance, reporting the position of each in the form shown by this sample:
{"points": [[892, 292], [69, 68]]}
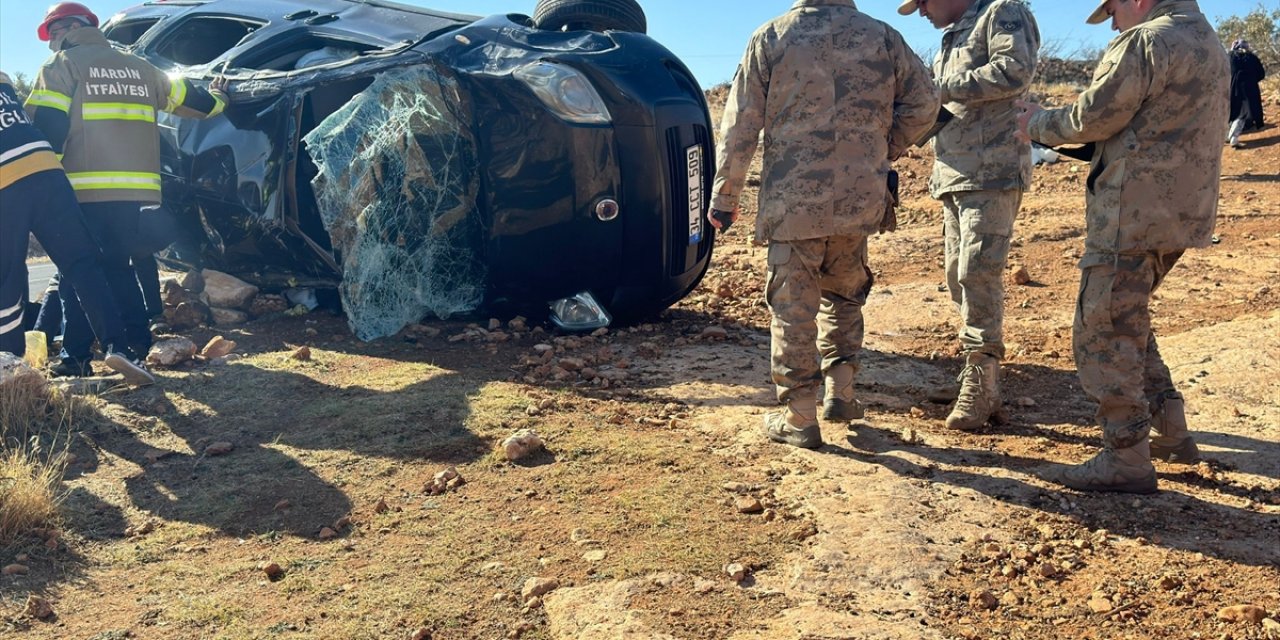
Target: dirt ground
{"points": [[657, 478]]}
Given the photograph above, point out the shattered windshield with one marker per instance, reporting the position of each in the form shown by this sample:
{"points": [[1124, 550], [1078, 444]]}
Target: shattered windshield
{"points": [[397, 188]]}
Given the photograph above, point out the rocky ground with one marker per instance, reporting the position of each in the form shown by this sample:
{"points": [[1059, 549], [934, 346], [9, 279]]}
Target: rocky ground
{"points": [[311, 486]]}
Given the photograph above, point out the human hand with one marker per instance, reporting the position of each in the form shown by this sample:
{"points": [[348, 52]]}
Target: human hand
{"points": [[1026, 110], [219, 84], [721, 219]]}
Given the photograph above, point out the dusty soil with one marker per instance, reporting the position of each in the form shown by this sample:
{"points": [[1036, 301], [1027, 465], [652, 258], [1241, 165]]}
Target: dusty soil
{"points": [[657, 476]]}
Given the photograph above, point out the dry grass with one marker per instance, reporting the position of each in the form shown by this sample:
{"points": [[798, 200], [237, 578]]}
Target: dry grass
{"points": [[33, 455]]}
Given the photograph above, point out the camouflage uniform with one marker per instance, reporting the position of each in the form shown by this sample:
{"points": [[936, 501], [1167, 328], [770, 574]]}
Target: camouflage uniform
{"points": [[987, 62], [837, 94], [1155, 110]]}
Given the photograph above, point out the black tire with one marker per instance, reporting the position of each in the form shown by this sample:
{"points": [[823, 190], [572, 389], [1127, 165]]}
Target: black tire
{"points": [[594, 15]]}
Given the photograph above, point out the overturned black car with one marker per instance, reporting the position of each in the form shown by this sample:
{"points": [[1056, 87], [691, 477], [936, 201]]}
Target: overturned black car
{"points": [[433, 163]]}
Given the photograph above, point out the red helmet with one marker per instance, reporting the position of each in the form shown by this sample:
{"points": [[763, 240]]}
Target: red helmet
{"points": [[65, 10]]}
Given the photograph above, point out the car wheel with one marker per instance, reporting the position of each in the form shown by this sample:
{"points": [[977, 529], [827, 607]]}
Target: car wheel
{"points": [[593, 15]]}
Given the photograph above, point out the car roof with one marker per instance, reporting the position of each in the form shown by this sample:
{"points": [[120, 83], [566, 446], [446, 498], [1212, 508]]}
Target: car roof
{"points": [[377, 20]]}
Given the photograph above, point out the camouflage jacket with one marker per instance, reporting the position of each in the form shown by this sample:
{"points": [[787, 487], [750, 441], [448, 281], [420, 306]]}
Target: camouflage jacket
{"points": [[837, 94], [1157, 111], [987, 61]]}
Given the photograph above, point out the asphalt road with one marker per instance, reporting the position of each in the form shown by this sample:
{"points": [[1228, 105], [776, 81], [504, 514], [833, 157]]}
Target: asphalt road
{"points": [[38, 275]]}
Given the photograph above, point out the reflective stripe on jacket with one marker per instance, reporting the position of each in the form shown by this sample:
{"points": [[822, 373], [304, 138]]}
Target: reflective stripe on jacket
{"points": [[98, 108], [23, 151]]}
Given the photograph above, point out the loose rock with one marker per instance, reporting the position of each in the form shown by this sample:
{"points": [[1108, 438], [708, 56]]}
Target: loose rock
{"points": [[273, 570], [219, 449], [218, 347], [15, 570], [37, 608], [715, 332], [302, 354], [327, 534], [1020, 275], [748, 505], [522, 444], [228, 317], [443, 481], [1243, 613], [171, 352], [227, 291], [983, 600], [538, 587], [736, 572]]}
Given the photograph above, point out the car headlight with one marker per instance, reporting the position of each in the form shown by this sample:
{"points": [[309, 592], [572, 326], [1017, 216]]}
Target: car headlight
{"points": [[566, 92], [581, 312]]}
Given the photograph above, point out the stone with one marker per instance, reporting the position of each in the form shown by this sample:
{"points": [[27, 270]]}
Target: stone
{"points": [[301, 354], [283, 505], [714, 332], [736, 487], [1243, 613], [748, 505], [447, 480], [1020, 275], [983, 600], [1168, 583], [571, 364], [219, 449], [1026, 402], [14, 369], [327, 534], [595, 555], [268, 304], [15, 570], [1271, 628], [421, 634], [273, 570], [538, 587], [218, 347], [226, 291], [1099, 603], [37, 608], [522, 444], [736, 572], [171, 352], [518, 323], [192, 281], [173, 293], [228, 317], [187, 315]]}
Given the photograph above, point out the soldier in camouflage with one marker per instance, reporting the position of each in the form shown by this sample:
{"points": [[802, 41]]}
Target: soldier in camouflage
{"points": [[837, 95], [986, 63], [1155, 113]]}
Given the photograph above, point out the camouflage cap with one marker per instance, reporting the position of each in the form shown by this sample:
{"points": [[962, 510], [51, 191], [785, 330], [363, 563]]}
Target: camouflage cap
{"points": [[1099, 15], [908, 7]]}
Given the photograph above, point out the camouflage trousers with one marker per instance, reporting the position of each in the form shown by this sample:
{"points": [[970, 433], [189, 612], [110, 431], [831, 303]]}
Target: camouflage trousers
{"points": [[1116, 353], [816, 289], [977, 226]]}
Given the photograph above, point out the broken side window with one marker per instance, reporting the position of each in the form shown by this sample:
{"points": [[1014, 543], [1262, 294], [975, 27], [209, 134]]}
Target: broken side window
{"points": [[203, 39], [397, 188]]}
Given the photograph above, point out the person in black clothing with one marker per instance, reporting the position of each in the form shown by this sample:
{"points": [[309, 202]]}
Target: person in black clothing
{"points": [[1246, 98]]}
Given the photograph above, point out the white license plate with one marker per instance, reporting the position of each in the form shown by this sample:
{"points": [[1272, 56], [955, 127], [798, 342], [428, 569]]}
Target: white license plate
{"points": [[693, 162]]}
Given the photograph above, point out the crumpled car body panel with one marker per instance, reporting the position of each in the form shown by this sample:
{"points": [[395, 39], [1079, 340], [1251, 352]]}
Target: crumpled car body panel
{"points": [[250, 192]]}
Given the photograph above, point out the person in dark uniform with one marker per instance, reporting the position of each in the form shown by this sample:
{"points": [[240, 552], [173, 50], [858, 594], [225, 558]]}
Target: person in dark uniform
{"points": [[1246, 97], [36, 198]]}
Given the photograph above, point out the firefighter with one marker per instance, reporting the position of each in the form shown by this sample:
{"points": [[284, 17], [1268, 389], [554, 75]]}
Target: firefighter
{"points": [[97, 107], [35, 197]]}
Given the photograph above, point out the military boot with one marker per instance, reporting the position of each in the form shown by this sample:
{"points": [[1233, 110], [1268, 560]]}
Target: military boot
{"points": [[796, 425], [1171, 442], [1121, 470], [840, 405], [979, 399]]}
